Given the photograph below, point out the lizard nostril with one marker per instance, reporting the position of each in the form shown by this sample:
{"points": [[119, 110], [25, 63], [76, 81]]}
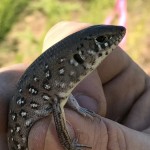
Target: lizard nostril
{"points": [[78, 58], [101, 39]]}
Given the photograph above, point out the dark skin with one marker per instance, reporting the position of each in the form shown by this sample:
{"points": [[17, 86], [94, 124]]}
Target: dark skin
{"points": [[118, 91]]}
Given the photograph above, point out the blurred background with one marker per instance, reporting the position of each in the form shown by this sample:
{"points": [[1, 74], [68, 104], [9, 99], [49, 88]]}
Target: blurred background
{"points": [[24, 23]]}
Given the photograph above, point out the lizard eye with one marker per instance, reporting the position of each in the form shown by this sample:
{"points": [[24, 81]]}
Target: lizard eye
{"points": [[100, 39], [78, 58]]}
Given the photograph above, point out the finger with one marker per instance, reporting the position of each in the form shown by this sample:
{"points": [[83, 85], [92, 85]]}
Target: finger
{"points": [[123, 82], [9, 77], [101, 134], [106, 134], [126, 89]]}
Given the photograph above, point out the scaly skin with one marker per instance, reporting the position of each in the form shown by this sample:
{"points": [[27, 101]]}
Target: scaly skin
{"points": [[46, 85]]}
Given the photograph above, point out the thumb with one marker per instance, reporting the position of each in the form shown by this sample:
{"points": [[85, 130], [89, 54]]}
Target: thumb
{"points": [[105, 134]]}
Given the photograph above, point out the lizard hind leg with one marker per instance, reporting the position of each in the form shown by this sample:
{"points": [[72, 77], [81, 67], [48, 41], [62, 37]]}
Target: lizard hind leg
{"points": [[61, 129]]}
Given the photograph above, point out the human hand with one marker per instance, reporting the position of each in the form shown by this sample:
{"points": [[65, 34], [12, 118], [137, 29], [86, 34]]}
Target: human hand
{"points": [[118, 91]]}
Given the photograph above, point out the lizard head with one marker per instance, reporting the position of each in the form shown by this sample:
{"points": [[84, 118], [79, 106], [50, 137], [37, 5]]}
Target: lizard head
{"points": [[97, 42]]}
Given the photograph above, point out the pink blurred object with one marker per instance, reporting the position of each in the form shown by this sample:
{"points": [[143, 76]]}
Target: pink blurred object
{"points": [[120, 10]]}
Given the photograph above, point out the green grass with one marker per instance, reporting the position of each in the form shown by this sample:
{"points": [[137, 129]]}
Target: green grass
{"points": [[138, 30], [9, 12], [97, 10], [21, 43]]}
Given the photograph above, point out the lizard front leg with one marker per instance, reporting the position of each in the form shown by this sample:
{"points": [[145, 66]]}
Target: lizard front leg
{"points": [[73, 103]]}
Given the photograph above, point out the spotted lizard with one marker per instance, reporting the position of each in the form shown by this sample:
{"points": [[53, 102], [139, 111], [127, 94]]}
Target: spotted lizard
{"points": [[46, 85]]}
